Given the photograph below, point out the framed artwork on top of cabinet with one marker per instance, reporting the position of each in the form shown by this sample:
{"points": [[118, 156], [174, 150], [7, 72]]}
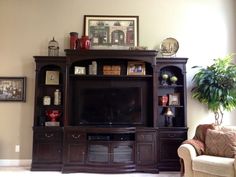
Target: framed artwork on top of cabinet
{"points": [[111, 32], [13, 89]]}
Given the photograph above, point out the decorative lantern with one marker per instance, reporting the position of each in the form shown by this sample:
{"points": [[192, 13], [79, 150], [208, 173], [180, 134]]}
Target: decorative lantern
{"points": [[53, 48]]}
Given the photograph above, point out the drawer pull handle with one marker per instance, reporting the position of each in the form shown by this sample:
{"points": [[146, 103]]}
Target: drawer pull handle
{"points": [[172, 135], [49, 135], [75, 136]]}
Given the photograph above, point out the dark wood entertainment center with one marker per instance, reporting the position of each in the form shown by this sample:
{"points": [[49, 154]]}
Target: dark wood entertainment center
{"points": [[110, 123]]}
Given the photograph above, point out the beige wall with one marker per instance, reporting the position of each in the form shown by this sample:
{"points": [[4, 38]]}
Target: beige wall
{"points": [[205, 29]]}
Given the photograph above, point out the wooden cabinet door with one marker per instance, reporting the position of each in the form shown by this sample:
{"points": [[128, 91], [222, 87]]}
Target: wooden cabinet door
{"points": [[76, 153], [145, 153], [75, 148], [47, 146], [146, 147], [98, 153], [47, 152], [169, 142], [122, 152]]}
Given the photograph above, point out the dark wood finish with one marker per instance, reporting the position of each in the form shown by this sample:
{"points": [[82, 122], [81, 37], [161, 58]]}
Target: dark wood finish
{"points": [[88, 149], [47, 141], [43, 64], [143, 55], [169, 138], [146, 150], [75, 147], [47, 149], [109, 57], [118, 153], [169, 141], [144, 146]]}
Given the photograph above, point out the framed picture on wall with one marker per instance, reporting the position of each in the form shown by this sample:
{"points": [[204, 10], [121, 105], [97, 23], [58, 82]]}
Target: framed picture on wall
{"points": [[111, 32], [13, 89]]}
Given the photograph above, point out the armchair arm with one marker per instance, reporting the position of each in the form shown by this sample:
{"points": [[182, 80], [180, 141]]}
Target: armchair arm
{"points": [[187, 152], [235, 164]]}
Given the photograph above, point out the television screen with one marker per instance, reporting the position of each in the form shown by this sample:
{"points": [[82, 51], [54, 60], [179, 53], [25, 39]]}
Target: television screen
{"points": [[110, 106]]}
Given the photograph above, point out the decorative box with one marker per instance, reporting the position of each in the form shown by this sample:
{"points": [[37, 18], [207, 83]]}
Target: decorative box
{"points": [[111, 70]]}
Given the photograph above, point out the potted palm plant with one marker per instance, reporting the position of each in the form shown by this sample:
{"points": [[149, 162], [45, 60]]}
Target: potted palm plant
{"points": [[215, 86]]}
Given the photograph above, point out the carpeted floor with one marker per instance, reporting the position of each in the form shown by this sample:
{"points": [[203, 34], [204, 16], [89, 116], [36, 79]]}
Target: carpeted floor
{"points": [[25, 172]]}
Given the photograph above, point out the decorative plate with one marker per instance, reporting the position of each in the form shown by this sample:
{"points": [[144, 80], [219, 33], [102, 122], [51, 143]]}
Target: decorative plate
{"points": [[169, 46]]}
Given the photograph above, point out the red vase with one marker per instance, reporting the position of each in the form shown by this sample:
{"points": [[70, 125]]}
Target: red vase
{"points": [[163, 100], [84, 43], [73, 40], [53, 115]]}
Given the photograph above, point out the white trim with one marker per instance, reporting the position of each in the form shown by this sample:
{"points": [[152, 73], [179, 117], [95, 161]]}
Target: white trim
{"points": [[15, 162]]}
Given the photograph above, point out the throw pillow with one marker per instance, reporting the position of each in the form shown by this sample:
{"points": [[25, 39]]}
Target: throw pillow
{"points": [[201, 130], [228, 128], [220, 143]]}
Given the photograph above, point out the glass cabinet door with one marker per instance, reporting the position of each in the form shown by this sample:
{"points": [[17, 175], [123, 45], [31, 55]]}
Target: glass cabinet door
{"points": [[122, 152], [98, 153]]}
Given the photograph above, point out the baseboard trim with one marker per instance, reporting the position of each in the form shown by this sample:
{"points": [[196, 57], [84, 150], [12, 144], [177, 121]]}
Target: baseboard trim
{"points": [[15, 162]]}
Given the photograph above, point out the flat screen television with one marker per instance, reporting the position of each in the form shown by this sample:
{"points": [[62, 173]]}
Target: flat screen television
{"points": [[110, 106]]}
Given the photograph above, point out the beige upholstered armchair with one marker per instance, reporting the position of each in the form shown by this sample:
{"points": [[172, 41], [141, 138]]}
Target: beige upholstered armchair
{"points": [[211, 153]]}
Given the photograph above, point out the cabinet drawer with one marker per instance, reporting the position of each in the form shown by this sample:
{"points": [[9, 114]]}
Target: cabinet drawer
{"points": [[75, 136], [173, 134], [48, 135], [145, 136]]}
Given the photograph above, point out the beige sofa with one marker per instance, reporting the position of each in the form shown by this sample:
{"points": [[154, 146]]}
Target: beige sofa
{"points": [[212, 155]]}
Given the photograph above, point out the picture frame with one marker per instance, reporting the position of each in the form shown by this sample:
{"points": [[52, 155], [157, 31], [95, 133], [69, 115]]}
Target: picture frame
{"points": [[112, 32], [136, 68], [52, 78], [174, 99], [79, 70], [13, 89]]}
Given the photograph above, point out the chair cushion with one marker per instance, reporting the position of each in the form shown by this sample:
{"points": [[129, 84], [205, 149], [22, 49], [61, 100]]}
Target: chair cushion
{"points": [[221, 166], [220, 143]]}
